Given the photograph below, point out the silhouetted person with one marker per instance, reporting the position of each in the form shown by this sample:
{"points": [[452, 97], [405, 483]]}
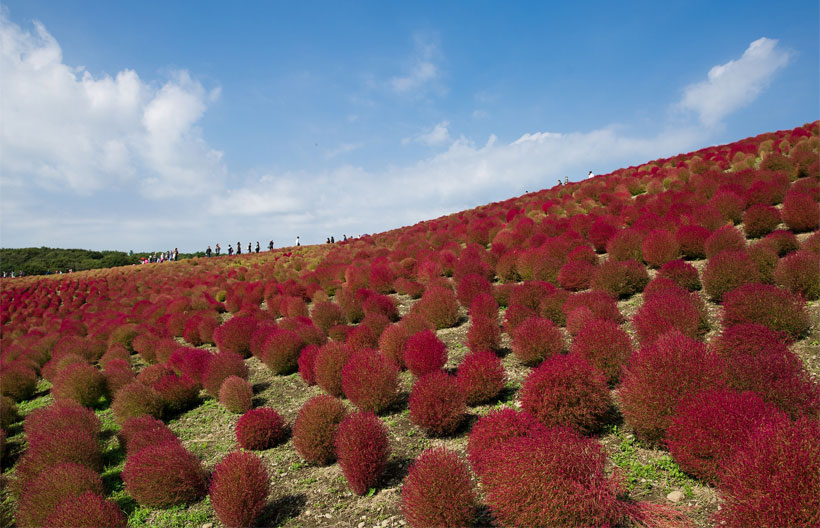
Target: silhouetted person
{"points": [[249, 248], [297, 241], [218, 249], [208, 252], [257, 246], [239, 248], [270, 245], [230, 249]]}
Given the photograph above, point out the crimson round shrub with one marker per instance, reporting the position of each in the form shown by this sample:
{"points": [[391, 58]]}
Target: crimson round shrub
{"points": [[439, 307], [70, 445], [801, 212], [191, 362], [437, 403], [424, 353], [144, 431], [668, 310], [730, 205], [659, 247], [515, 315], [620, 279], [530, 294], [392, 341], [566, 391], [326, 315], [41, 495], [280, 351], [658, 376], [380, 304], [800, 273], [782, 242], [576, 275], [153, 373], [260, 429], [708, 427], [370, 381], [681, 273], [234, 335], [692, 241], [361, 337], [625, 245], [239, 489], [481, 377], [602, 305], [89, 510], [362, 449], [19, 381], [471, 285], [164, 349], [555, 478], [117, 374], [115, 351], [485, 305], [536, 339], [599, 234], [80, 382], [776, 308], [164, 475], [351, 306], [496, 428], [760, 220], [328, 365], [136, 399], [306, 361], [605, 345], [727, 238], [221, 366], [52, 420], [315, 428], [726, 271], [438, 491], [483, 334], [178, 393], [236, 395], [774, 480]]}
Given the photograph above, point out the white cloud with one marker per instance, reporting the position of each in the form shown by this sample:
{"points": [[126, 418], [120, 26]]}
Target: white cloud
{"points": [[342, 149], [437, 136], [64, 129], [422, 70], [735, 84]]}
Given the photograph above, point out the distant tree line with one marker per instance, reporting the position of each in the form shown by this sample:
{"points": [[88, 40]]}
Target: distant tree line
{"points": [[39, 261]]}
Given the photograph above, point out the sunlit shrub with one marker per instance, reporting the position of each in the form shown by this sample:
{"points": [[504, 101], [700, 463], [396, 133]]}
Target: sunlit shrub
{"points": [[438, 491], [770, 306], [80, 382], [239, 489], [659, 247], [219, 368], [362, 449], [315, 428], [87, 510], [327, 367], [682, 273], [666, 311], [605, 345], [260, 429], [800, 273], [164, 475], [42, 495], [439, 306], [760, 220], [620, 279], [535, 339], [496, 428], [801, 212], [727, 238], [726, 271], [437, 403], [236, 394], [136, 399], [424, 353], [481, 377], [370, 381]]}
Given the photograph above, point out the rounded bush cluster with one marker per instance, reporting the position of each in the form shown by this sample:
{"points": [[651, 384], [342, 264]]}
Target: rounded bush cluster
{"points": [[260, 429], [64, 445], [280, 351], [306, 363], [424, 353], [234, 335], [775, 479], [605, 345], [136, 399], [710, 426], [80, 382], [770, 306], [692, 241], [191, 362], [483, 334], [439, 307], [481, 377], [800, 273], [470, 286], [659, 376], [19, 381], [730, 205], [727, 238], [681, 273], [620, 279], [87, 510], [566, 391], [178, 393], [625, 245], [602, 305], [8, 412], [362, 449], [659, 247], [666, 311], [239, 489], [782, 242], [144, 431], [438, 491], [315, 428], [43, 494], [392, 341], [484, 305], [496, 428], [370, 381], [576, 275], [117, 374], [437, 404], [164, 475], [726, 271], [536, 339], [236, 395], [219, 368], [328, 365], [361, 337], [326, 315], [760, 220], [801, 212]]}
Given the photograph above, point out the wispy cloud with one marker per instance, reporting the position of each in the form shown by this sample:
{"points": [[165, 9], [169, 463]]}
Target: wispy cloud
{"points": [[422, 70], [735, 84], [435, 137], [342, 149]]}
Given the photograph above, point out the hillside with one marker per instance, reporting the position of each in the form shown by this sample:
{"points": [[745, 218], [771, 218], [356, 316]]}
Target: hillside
{"points": [[624, 350]]}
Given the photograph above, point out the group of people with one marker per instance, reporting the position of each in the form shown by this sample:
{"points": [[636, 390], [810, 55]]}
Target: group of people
{"points": [[566, 179], [218, 249], [163, 256]]}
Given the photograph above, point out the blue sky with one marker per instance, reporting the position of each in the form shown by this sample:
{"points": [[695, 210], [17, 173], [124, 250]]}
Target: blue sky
{"points": [[153, 125]]}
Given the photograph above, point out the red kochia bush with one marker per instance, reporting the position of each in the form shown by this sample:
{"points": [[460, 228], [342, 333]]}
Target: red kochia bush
{"points": [[136, 399], [19, 381], [782, 242], [724, 239], [8, 413], [800, 273], [362, 448], [361, 337], [483, 334], [69, 445], [164, 475], [177, 392], [660, 375], [326, 315], [770, 306], [602, 305], [80, 382], [50, 421], [681, 273], [391, 343], [692, 241], [424, 352], [439, 307], [668, 310], [239, 490], [536, 339], [327, 367], [625, 245], [470, 286], [605, 345], [437, 404], [775, 479], [801, 212], [234, 335], [496, 428], [280, 351], [481, 377], [370, 381], [566, 391], [760, 220], [117, 374], [708, 427], [236, 394], [438, 491], [260, 429], [88, 510], [191, 362], [220, 367], [306, 361], [315, 428], [659, 247], [620, 279], [576, 275], [556, 478], [726, 271], [42, 495], [143, 431]]}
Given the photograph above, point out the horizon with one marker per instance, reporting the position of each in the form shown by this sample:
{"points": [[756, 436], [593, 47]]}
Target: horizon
{"points": [[123, 129]]}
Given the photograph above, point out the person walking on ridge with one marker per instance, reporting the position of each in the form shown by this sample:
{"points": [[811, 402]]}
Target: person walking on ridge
{"points": [[270, 245], [257, 246], [218, 249], [297, 241], [239, 248]]}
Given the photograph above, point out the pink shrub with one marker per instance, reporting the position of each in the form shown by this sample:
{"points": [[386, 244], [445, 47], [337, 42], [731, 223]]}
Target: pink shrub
{"points": [[362, 448], [727, 238], [801, 212], [800, 273], [424, 353], [602, 305], [470, 286], [315, 428], [220, 367], [483, 334], [144, 431], [239, 489], [136, 399], [605, 345], [438, 491], [437, 404], [576, 275], [306, 362], [692, 241], [392, 341], [782, 242], [191, 362], [260, 429], [280, 351], [89, 509], [536, 339], [19, 381], [666, 311], [681, 273], [484, 304], [178, 393], [326, 315], [164, 475], [361, 337], [515, 315], [726, 271], [760, 220], [46, 452], [42, 495], [496, 428], [370, 381], [439, 307], [770, 306], [659, 247], [234, 335], [236, 394], [481, 377], [625, 245], [621, 279], [729, 204], [327, 367], [80, 382]]}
